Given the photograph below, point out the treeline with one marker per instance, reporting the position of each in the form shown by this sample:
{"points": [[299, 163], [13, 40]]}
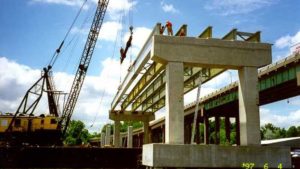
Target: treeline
{"points": [[77, 134], [269, 131]]}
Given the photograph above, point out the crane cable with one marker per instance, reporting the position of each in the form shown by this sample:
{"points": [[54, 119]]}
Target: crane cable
{"points": [[130, 22], [57, 51], [119, 32]]}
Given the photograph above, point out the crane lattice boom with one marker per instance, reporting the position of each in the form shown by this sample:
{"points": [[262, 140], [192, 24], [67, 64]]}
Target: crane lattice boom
{"points": [[84, 64]]}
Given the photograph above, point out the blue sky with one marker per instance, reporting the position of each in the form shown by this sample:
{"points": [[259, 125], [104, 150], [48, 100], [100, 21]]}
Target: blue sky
{"points": [[31, 30]]}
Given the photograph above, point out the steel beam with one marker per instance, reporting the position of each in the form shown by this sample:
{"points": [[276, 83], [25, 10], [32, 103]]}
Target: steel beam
{"points": [[137, 66], [148, 76]]}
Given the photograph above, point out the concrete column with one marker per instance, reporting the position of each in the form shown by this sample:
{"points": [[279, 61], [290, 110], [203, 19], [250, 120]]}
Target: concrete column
{"points": [[107, 136], [146, 132], [174, 103], [248, 106], [227, 128], [129, 137], [206, 130], [102, 139], [117, 134]]}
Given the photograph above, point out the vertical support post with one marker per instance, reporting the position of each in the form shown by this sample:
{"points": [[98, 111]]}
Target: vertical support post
{"points": [[107, 136], [146, 132], [206, 129], [248, 106], [217, 129], [129, 137], [174, 103], [227, 128], [117, 134], [102, 139]]}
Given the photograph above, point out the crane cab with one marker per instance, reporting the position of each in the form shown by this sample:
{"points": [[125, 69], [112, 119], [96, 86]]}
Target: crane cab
{"points": [[30, 129]]}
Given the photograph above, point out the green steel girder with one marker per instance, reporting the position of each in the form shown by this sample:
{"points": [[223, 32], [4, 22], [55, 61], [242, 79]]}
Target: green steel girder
{"points": [[149, 75], [207, 33], [234, 34], [149, 96], [156, 101], [221, 100], [271, 80], [155, 86], [278, 78]]}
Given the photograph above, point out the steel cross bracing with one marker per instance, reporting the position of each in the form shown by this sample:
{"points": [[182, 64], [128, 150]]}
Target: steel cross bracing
{"points": [[84, 64], [148, 94]]}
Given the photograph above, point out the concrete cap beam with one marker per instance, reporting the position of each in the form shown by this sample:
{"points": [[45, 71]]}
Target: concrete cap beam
{"points": [[214, 53]]}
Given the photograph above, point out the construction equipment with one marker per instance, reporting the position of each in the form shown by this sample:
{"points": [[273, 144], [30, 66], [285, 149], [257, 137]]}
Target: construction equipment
{"points": [[123, 52], [24, 123], [83, 65]]}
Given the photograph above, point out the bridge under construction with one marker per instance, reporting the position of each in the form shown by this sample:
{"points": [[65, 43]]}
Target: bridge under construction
{"points": [[168, 67]]}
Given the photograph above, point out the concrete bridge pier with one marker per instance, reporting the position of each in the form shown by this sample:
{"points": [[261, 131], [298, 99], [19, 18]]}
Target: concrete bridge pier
{"points": [[129, 137], [102, 139], [117, 138], [174, 130], [248, 106], [146, 132], [107, 135]]}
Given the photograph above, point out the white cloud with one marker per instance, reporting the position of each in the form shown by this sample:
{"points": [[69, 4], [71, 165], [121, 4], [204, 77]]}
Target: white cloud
{"points": [[94, 100], [108, 32], [168, 7], [117, 8], [232, 7], [283, 120], [288, 40], [76, 30]]}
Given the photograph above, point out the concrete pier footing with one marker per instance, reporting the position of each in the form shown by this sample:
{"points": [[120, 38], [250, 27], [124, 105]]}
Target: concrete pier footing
{"points": [[179, 155]]}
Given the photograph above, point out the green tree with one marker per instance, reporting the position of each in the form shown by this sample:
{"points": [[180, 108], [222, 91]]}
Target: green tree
{"points": [[298, 130], [76, 133], [269, 131], [292, 132], [269, 134]]}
